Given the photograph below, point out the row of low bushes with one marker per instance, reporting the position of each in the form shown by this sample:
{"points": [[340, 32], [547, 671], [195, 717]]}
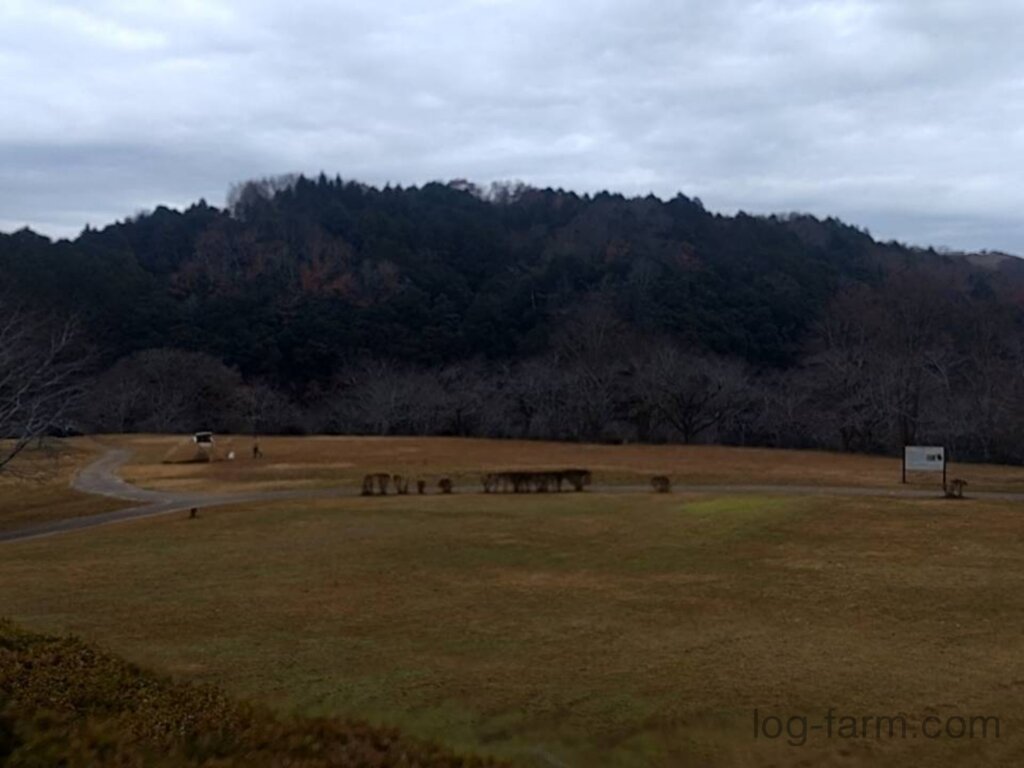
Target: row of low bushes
{"points": [[65, 703]]}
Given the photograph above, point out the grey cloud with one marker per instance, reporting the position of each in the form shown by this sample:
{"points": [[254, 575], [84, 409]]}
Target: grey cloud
{"points": [[902, 117]]}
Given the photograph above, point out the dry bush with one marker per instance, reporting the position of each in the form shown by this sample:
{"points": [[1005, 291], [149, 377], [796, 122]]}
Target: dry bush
{"points": [[63, 702]]}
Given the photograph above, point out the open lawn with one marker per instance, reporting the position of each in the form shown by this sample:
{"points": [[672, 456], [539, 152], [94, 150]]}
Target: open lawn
{"points": [[582, 629], [35, 487], [317, 462]]}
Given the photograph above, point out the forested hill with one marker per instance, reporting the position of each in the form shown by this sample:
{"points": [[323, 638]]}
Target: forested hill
{"points": [[294, 284], [300, 280]]}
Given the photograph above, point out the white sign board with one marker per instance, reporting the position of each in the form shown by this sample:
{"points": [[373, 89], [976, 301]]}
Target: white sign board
{"points": [[924, 458]]}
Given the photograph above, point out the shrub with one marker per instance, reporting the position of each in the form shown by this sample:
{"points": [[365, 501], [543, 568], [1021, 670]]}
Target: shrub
{"points": [[63, 702]]}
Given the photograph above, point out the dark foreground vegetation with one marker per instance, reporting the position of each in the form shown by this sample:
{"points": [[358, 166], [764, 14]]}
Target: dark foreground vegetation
{"points": [[63, 702], [318, 305]]}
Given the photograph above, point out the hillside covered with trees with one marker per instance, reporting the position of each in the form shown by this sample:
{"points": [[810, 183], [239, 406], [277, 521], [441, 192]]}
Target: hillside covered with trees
{"points": [[319, 305]]}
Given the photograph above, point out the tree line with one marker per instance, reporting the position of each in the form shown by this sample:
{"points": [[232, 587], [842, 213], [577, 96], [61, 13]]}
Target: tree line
{"points": [[916, 362], [316, 305]]}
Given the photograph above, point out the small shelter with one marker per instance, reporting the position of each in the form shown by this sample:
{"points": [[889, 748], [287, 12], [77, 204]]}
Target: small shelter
{"points": [[204, 444]]}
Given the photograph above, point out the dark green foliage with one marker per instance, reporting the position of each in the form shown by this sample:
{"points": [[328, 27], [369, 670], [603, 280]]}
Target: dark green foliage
{"points": [[64, 703], [306, 275], [520, 312]]}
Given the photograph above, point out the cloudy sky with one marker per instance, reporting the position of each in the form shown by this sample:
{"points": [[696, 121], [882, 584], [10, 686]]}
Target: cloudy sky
{"points": [[904, 116]]}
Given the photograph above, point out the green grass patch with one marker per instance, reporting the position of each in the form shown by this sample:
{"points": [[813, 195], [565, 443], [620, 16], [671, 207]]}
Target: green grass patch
{"points": [[589, 629]]}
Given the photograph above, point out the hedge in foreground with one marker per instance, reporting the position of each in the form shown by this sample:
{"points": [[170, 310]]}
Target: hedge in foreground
{"points": [[64, 703]]}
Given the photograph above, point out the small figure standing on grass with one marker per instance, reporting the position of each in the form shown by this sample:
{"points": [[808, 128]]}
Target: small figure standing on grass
{"points": [[193, 513], [256, 452]]}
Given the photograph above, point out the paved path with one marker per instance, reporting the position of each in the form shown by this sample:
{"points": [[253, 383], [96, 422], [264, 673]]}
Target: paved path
{"points": [[100, 477]]}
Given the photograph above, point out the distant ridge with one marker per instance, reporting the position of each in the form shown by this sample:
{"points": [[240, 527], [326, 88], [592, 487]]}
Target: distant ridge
{"points": [[514, 311]]}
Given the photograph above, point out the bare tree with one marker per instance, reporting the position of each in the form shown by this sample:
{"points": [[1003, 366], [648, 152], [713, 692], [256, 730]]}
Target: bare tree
{"points": [[167, 390], [114, 401], [265, 410], [882, 357], [373, 397], [690, 393], [784, 413], [243, 197], [40, 364], [586, 367], [532, 399]]}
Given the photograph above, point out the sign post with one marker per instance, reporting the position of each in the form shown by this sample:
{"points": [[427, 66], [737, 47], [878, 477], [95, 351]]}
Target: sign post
{"points": [[924, 458]]}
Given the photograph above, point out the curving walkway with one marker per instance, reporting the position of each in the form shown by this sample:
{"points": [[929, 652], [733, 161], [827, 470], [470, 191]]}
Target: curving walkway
{"points": [[100, 477]]}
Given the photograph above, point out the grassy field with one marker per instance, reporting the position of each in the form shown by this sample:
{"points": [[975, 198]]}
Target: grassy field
{"points": [[579, 630], [36, 488], [64, 702], [305, 462]]}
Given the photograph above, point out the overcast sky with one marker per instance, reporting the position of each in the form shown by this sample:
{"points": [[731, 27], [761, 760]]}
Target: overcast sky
{"points": [[904, 116]]}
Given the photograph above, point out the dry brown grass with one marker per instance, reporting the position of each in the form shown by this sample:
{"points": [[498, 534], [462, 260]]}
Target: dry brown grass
{"points": [[585, 630], [310, 462], [67, 703], [36, 488]]}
